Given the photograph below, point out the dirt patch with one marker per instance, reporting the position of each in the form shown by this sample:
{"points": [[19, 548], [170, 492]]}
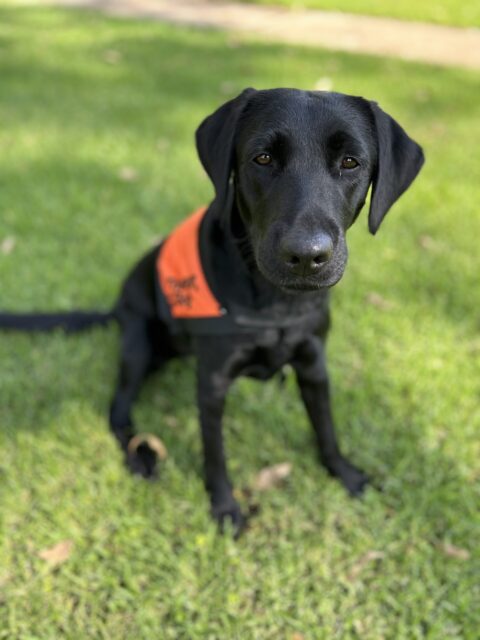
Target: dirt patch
{"points": [[448, 46]]}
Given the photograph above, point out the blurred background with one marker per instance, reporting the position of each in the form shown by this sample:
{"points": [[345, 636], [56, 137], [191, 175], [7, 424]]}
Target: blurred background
{"points": [[99, 102]]}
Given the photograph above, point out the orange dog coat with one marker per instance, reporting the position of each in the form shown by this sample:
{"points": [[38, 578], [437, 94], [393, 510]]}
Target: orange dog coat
{"points": [[181, 276]]}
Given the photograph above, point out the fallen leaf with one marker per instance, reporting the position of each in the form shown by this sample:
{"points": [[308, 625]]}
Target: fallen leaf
{"points": [[227, 87], [422, 95], [8, 245], [58, 554], [297, 636], [453, 551], [272, 476], [437, 128], [163, 144], [362, 562], [233, 43], [359, 627], [473, 346], [112, 56], [379, 301], [128, 174], [323, 84], [428, 243]]}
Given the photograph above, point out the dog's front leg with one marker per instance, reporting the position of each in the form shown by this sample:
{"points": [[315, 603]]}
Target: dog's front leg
{"points": [[212, 384], [312, 377]]}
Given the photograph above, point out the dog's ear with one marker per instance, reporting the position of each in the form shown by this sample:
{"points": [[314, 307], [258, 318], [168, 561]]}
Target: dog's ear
{"points": [[399, 159], [215, 144]]}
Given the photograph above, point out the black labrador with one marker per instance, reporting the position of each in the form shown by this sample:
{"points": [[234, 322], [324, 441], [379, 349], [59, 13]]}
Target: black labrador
{"points": [[291, 171]]}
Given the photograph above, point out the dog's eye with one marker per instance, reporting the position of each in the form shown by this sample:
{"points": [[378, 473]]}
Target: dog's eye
{"points": [[263, 159], [349, 163]]}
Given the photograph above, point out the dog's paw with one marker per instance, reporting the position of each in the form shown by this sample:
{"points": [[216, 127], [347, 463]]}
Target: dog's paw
{"points": [[143, 461], [143, 453], [353, 479], [229, 514]]}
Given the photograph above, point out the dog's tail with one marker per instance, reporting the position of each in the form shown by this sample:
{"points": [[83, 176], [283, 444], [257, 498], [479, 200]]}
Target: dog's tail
{"points": [[69, 321]]}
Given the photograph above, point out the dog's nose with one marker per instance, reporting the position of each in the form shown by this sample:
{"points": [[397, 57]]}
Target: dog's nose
{"points": [[305, 257]]}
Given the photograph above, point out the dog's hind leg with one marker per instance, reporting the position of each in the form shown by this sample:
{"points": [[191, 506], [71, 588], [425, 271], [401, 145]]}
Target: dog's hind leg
{"points": [[138, 358]]}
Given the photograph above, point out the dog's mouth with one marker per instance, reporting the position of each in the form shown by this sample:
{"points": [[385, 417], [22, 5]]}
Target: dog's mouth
{"points": [[301, 285], [305, 284], [298, 286], [327, 277]]}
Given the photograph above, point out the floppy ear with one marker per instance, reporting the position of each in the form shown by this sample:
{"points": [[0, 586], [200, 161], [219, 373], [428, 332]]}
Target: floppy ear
{"points": [[215, 144], [399, 160]]}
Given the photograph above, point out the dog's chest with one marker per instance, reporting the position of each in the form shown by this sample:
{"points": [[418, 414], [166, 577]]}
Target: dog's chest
{"points": [[272, 349]]}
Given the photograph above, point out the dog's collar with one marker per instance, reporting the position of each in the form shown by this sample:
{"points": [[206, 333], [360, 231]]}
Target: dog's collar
{"points": [[244, 318]]}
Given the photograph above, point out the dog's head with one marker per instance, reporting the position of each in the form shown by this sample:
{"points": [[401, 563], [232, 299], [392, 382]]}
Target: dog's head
{"points": [[300, 164]]}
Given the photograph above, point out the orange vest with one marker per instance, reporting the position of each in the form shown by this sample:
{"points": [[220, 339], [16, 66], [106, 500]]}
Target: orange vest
{"points": [[180, 274]]}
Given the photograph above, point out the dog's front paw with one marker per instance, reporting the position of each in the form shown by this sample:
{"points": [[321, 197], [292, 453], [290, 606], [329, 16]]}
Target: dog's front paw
{"points": [[229, 513], [354, 480]]}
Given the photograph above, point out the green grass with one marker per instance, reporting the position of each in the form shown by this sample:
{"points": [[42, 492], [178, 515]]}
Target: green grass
{"points": [[146, 560], [460, 13]]}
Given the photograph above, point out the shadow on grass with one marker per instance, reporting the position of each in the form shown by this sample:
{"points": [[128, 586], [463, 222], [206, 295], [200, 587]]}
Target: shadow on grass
{"points": [[150, 68]]}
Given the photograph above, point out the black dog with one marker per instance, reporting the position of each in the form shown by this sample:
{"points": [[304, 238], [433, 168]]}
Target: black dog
{"points": [[291, 171]]}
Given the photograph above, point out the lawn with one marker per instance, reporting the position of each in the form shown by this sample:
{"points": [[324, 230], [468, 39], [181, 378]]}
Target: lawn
{"points": [[97, 122], [460, 13]]}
